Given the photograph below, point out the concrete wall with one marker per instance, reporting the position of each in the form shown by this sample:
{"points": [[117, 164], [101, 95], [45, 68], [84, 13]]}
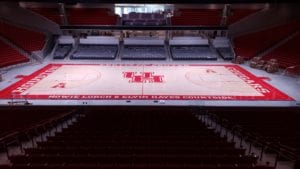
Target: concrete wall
{"points": [[13, 13], [272, 14]]}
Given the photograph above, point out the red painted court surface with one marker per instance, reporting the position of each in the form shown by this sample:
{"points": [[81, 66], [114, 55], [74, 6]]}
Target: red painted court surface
{"points": [[143, 82]]}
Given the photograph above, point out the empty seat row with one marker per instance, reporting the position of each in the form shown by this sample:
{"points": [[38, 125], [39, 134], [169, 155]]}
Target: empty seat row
{"points": [[134, 150], [277, 126], [24, 38], [197, 17], [62, 50], [173, 150], [226, 53], [254, 43], [287, 55], [128, 19], [142, 22], [133, 143], [144, 52], [91, 16], [131, 166], [17, 117], [106, 136], [192, 53], [133, 159], [49, 13], [236, 14], [135, 18], [84, 51], [10, 56], [77, 16]]}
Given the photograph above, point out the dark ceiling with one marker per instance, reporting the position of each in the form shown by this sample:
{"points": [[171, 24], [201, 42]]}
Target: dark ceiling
{"points": [[159, 1]]}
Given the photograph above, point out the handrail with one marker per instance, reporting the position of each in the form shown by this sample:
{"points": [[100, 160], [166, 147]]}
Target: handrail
{"points": [[281, 149], [19, 131]]}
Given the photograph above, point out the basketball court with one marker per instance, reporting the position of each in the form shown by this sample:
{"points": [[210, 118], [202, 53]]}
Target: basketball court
{"points": [[143, 82]]}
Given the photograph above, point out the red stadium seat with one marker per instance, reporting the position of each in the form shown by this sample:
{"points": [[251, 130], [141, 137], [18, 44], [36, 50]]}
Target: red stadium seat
{"points": [[196, 17], [238, 14], [287, 54], [10, 56], [249, 45], [24, 38], [50, 13], [91, 16]]}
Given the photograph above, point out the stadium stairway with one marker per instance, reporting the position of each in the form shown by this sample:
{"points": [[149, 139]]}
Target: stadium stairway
{"points": [[259, 133], [168, 138], [22, 128]]}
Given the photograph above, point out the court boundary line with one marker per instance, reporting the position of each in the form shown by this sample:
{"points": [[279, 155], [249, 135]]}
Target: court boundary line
{"points": [[274, 93]]}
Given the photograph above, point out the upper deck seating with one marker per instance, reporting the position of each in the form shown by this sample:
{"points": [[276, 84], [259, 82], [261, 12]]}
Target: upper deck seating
{"points": [[95, 51], [239, 14], [196, 17], [144, 19], [188, 52], [250, 45], [136, 52], [24, 38], [49, 13], [91, 16], [9, 56], [288, 54]]}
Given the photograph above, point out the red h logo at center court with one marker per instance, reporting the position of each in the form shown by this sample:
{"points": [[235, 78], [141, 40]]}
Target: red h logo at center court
{"points": [[143, 77]]}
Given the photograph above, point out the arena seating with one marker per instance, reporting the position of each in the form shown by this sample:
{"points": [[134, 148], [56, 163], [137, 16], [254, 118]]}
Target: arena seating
{"points": [[288, 54], [91, 16], [19, 117], [187, 52], [24, 38], [274, 125], [90, 51], [238, 14], [50, 13], [223, 47], [136, 52], [10, 56], [225, 53], [251, 44], [62, 50], [145, 19], [169, 138], [194, 17]]}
